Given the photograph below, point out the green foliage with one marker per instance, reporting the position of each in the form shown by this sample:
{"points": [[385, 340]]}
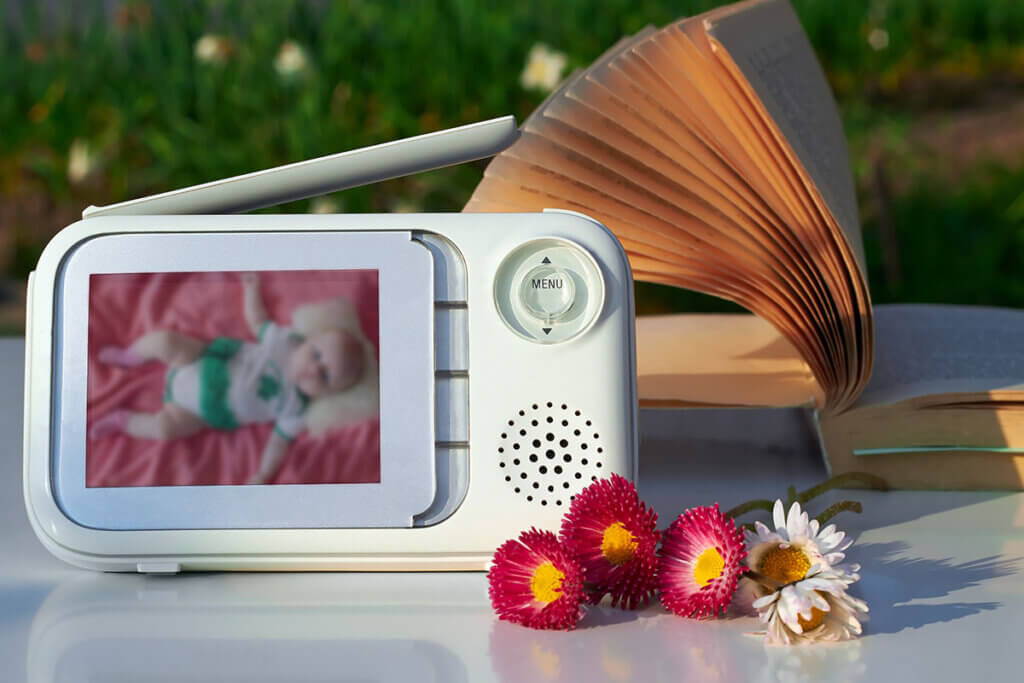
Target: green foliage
{"points": [[127, 81]]}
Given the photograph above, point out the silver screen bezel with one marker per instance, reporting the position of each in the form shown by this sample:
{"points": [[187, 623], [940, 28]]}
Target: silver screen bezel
{"points": [[405, 306]]}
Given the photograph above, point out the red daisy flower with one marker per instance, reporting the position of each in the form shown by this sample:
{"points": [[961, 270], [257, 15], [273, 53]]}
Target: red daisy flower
{"points": [[699, 562], [534, 581], [615, 538]]}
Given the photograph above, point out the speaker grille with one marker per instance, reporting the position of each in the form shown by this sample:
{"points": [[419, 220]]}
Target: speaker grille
{"points": [[549, 452]]}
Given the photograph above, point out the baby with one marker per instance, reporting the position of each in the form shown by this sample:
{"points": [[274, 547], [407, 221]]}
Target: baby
{"points": [[283, 378]]}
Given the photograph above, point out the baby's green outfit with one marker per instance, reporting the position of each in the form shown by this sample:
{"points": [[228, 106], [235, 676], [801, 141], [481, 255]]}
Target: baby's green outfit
{"points": [[235, 383]]}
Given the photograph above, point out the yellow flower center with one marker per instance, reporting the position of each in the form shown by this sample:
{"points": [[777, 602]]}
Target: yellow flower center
{"points": [[546, 583], [710, 564], [785, 565], [618, 544], [817, 616]]}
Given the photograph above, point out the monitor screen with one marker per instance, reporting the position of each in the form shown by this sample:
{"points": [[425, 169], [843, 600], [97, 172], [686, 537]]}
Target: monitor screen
{"points": [[230, 378]]}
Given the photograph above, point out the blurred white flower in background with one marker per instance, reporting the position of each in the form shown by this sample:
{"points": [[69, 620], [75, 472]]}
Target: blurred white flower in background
{"points": [[324, 205], [878, 38], [543, 69], [81, 162], [212, 49], [291, 59], [401, 205]]}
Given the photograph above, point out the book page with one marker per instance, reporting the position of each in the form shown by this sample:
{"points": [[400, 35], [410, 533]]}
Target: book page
{"points": [[767, 43], [923, 350], [719, 359]]}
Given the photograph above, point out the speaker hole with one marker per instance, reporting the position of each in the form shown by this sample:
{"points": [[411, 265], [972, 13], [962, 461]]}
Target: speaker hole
{"points": [[593, 478], [501, 449], [567, 458], [550, 419], [565, 485], [536, 485], [597, 465], [522, 475], [558, 502], [543, 502], [534, 423], [543, 469], [577, 413], [587, 423], [551, 489], [508, 478], [511, 423], [518, 490], [550, 436], [600, 450], [578, 475], [565, 407], [522, 432], [535, 406], [558, 469], [522, 412], [515, 447], [536, 443], [576, 432], [563, 443], [565, 423], [583, 446], [533, 457], [529, 498], [550, 453], [504, 435], [582, 462], [501, 464], [549, 404], [596, 435]]}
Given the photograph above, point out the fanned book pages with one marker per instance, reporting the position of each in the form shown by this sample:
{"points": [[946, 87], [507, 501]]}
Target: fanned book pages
{"points": [[714, 150]]}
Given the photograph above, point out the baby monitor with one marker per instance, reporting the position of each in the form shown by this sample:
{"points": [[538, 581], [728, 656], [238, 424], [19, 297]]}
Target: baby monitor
{"points": [[212, 391]]}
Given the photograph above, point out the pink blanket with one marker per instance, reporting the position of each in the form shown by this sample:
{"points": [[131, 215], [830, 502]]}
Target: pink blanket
{"points": [[207, 305]]}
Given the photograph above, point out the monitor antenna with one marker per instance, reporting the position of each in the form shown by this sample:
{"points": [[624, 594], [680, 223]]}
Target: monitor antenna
{"points": [[327, 174]]}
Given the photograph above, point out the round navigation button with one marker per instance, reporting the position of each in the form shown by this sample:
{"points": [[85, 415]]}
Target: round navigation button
{"points": [[547, 293], [549, 290]]}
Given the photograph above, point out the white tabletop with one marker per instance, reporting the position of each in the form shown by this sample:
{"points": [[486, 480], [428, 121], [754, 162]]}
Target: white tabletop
{"points": [[940, 573]]}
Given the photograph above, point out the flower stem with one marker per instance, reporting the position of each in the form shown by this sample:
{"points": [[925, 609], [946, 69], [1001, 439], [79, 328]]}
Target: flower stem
{"points": [[756, 504], [865, 479], [791, 495], [834, 509], [861, 479]]}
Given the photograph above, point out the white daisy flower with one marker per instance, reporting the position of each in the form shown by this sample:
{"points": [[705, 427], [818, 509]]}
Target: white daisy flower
{"points": [[797, 584], [212, 49], [817, 608], [324, 205], [82, 162], [291, 59], [787, 554], [878, 39], [543, 68]]}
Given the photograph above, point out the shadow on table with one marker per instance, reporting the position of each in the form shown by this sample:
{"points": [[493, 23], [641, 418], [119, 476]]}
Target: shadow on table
{"points": [[890, 582]]}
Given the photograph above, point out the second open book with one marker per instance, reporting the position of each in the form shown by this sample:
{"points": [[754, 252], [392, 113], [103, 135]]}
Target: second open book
{"points": [[714, 150]]}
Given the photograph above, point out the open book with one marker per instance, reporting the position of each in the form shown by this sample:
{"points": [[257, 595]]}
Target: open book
{"points": [[713, 149]]}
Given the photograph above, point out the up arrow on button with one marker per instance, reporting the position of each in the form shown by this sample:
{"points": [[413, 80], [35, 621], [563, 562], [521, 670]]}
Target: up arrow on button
{"points": [[546, 260]]}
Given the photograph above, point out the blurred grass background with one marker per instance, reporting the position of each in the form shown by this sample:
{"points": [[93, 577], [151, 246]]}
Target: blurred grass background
{"points": [[104, 101]]}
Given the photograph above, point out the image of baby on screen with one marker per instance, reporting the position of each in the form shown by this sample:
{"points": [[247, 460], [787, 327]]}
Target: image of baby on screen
{"points": [[278, 385]]}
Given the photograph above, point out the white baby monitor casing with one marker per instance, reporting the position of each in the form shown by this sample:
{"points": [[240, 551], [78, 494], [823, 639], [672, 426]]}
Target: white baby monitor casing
{"points": [[510, 388]]}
